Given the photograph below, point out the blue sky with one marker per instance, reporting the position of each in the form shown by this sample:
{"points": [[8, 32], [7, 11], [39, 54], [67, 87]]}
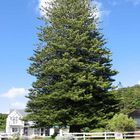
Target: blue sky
{"points": [[18, 29]]}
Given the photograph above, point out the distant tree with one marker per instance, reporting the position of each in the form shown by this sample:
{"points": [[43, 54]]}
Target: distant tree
{"points": [[121, 123], [2, 121], [129, 98], [72, 69]]}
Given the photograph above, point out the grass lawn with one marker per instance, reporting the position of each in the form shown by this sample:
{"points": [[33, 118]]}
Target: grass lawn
{"points": [[48, 139], [117, 139], [87, 139], [43, 139]]}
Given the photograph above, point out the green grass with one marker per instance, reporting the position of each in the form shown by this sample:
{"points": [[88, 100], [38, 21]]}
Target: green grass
{"points": [[87, 139], [109, 139], [43, 139], [49, 138], [117, 139]]}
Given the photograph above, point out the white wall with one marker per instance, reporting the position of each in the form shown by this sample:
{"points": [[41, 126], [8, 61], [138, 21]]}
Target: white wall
{"points": [[51, 131], [137, 122]]}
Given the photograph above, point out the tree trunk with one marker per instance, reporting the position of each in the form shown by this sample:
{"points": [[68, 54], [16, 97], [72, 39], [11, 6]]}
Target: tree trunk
{"points": [[75, 128]]}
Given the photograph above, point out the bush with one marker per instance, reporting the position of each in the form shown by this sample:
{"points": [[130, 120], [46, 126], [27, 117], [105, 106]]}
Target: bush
{"points": [[98, 130], [121, 123], [87, 129]]}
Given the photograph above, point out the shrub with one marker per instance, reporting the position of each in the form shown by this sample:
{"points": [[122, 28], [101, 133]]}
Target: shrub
{"points": [[121, 123]]}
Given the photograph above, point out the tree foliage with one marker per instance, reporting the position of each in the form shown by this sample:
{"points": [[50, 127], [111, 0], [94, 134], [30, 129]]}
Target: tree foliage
{"points": [[2, 121], [129, 98], [121, 123], [72, 69]]}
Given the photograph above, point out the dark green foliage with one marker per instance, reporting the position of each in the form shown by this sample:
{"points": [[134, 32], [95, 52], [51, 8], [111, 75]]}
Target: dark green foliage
{"points": [[121, 123], [72, 69], [2, 121], [129, 98]]}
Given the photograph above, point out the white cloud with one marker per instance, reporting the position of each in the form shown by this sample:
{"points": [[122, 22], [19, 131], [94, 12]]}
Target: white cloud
{"points": [[138, 82], [18, 105], [14, 93], [99, 7], [42, 4]]}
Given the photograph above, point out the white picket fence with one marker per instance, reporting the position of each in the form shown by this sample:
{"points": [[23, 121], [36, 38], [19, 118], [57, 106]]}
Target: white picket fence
{"points": [[7, 135], [102, 135]]}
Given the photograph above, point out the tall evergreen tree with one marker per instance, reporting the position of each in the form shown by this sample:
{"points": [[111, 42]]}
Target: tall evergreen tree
{"points": [[72, 69]]}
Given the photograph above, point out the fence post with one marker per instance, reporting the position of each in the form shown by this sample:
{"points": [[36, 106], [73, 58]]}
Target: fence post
{"points": [[84, 136], [105, 135]]}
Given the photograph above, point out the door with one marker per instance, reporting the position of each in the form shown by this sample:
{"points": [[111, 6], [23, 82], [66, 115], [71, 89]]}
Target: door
{"points": [[26, 131]]}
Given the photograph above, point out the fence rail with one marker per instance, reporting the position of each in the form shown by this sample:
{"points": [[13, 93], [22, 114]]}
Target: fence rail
{"points": [[102, 135], [6, 135]]}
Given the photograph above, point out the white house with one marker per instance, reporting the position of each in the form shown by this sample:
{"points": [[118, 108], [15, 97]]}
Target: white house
{"points": [[15, 124]]}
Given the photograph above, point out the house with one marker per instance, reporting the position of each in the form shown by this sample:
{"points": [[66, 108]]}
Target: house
{"points": [[15, 124], [136, 116]]}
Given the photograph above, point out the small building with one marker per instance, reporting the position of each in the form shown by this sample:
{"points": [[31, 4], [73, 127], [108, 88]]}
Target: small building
{"points": [[136, 116], [15, 124]]}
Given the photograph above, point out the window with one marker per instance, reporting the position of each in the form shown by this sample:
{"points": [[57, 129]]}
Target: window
{"points": [[15, 120], [36, 131], [42, 131], [26, 123], [47, 132], [14, 129]]}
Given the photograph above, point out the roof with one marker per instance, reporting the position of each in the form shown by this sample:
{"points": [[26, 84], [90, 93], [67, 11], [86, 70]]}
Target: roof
{"points": [[20, 111], [135, 113]]}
